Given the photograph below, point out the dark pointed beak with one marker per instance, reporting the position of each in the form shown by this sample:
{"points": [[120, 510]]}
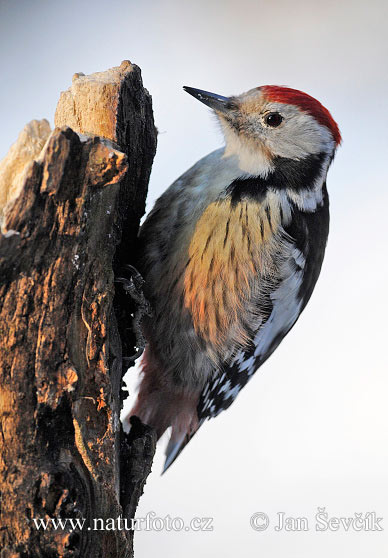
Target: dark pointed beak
{"points": [[212, 100]]}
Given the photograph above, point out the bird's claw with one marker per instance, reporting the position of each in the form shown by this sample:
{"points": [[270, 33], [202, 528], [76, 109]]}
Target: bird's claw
{"points": [[133, 287]]}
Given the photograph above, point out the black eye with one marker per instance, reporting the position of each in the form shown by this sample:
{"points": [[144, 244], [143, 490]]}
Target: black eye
{"points": [[273, 119]]}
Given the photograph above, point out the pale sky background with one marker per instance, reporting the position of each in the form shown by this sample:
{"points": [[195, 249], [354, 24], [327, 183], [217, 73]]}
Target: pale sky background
{"points": [[311, 428]]}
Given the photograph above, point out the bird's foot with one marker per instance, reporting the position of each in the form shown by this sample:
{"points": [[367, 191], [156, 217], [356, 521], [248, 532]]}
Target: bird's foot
{"points": [[132, 285]]}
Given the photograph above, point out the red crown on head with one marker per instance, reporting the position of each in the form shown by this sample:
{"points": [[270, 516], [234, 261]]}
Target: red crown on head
{"points": [[304, 102]]}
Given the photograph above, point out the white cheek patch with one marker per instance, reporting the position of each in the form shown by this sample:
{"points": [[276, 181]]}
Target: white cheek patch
{"points": [[252, 158], [299, 136]]}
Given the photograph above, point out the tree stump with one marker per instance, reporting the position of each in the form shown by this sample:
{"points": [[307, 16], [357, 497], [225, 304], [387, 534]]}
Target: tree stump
{"points": [[70, 220]]}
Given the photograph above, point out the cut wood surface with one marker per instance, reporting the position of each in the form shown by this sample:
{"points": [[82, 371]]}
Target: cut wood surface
{"points": [[67, 225]]}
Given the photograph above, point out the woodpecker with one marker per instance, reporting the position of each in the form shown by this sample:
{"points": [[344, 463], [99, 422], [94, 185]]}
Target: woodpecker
{"points": [[230, 255]]}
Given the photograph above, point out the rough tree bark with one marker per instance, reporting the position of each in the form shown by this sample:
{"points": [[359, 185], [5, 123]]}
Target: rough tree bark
{"points": [[70, 222]]}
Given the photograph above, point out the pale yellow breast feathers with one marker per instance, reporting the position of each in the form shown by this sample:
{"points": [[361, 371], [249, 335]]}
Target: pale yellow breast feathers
{"points": [[231, 251]]}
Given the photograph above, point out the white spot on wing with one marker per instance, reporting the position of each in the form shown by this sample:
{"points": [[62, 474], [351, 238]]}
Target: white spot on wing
{"points": [[233, 392], [286, 304], [247, 364], [225, 387]]}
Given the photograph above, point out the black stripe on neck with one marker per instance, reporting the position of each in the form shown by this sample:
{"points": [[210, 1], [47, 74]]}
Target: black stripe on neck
{"points": [[288, 173]]}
